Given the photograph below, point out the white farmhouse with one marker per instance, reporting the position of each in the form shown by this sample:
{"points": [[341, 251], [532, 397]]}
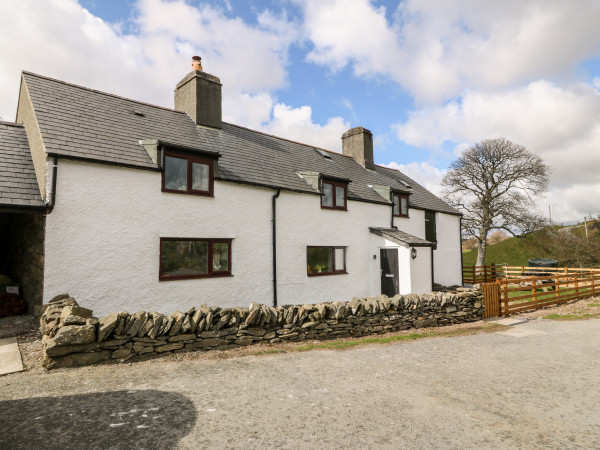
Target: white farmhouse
{"points": [[151, 208]]}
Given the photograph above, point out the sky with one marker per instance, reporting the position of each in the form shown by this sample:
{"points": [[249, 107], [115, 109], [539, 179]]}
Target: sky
{"points": [[427, 77]]}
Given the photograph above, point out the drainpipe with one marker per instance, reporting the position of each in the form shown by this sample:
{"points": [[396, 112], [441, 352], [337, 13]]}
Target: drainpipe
{"points": [[393, 227], [51, 168], [462, 279], [274, 222], [432, 274]]}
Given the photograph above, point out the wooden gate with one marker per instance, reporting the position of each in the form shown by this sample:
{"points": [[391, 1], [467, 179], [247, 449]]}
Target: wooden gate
{"points": [[491, 299]]}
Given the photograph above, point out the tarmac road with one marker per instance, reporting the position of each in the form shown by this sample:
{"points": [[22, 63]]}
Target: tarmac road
{"points": [[534, 385]]}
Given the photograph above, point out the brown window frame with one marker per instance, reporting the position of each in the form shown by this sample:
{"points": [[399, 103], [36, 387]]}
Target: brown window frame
{"points": [[191, 159], [210, 272], [430, 219], [334, 272], [400, 197], [335, 184]]}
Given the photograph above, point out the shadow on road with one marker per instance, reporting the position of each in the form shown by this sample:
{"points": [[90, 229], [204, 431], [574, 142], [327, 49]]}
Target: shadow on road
{"points": [[121, 419]]}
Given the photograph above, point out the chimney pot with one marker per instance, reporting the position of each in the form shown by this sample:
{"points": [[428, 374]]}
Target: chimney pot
{"points": [[358, 143], [196, 64]]}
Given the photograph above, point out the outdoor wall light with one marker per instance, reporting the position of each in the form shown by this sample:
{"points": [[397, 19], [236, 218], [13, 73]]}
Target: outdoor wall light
{"points": [[413, 253]]}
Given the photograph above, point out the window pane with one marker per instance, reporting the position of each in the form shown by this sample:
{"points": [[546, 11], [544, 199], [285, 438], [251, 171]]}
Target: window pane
{"points": [[319, 260], [396, 205], [200, 177], [404, 203], [220, 257], [179, 258], [340, 196], [175, 173], [327, 194], [340, 260], [430, 226]]}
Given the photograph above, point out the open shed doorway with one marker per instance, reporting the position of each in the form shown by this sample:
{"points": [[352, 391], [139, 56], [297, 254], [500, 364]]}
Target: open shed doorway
{"points": [[21, 263]]}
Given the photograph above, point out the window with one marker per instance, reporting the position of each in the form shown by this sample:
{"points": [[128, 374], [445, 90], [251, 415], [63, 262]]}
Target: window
{"points": [[187, 174], [430, 233], [334, 194], [400, 205], [194, 258], [326, 260]]}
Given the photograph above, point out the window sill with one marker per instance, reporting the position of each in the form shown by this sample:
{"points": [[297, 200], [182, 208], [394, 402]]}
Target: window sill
{"points": [[198, 193], [323, 274], [402, 216], [194, 277], [339, 208]]}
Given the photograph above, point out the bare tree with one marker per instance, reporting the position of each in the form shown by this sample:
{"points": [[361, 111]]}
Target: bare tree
{"points": [[494, 183]]}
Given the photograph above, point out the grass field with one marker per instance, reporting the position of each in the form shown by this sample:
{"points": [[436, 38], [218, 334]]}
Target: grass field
{"points": [[512, 251]]}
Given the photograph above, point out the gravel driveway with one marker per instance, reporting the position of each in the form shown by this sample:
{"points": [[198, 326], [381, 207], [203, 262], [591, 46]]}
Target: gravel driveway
{"points": [[533, 385]]}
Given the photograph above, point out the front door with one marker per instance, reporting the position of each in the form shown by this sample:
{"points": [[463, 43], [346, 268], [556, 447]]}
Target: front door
{"points": [[389, 271]]}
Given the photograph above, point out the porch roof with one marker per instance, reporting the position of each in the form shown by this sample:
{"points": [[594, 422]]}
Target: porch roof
{"points": [[18, 183], [400, 237]]}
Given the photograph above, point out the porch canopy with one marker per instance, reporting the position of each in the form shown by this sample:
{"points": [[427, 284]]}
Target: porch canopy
{"points": [[400, 237]]}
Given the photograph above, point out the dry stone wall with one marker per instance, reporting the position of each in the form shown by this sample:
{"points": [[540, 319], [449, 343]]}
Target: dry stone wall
{"points": [[73, 337]]}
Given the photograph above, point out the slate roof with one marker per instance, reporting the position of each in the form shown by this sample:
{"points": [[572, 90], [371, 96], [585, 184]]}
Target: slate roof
{"points": [[84, 123], [18, 184], [400, 237], [421, 198]]}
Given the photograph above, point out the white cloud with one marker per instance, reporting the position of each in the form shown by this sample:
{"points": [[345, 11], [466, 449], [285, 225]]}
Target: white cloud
{"points": [[437, 48], [296, 124], [61, 39], [561, 124]]}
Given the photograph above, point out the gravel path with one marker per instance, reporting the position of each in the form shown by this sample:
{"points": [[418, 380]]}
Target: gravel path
{"points": [[532, 385]]}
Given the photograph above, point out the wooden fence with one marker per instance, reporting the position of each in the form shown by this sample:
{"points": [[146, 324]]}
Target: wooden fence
{"points": [[495, 272], [513, 295]]}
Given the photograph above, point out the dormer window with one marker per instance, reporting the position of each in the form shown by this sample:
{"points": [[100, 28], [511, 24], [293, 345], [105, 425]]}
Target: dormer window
{"points": [[334, 194], [187, 174], [400, 205]]}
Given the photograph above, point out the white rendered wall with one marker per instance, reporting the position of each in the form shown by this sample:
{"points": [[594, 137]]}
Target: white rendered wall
{"points": [[102, 240], [414, 224], [447, 258], [404, 281], [102, 243], [301, 222], [420, 271]]}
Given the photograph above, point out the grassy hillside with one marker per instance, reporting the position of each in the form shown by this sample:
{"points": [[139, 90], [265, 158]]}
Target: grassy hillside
{"points": [[512, 251], [593, 233]]}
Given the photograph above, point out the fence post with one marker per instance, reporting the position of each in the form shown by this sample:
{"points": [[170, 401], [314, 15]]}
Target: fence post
{"points": [[493, 271], [593, 283], [505, 299], [534, 293], [576, 286], [556, 287]]}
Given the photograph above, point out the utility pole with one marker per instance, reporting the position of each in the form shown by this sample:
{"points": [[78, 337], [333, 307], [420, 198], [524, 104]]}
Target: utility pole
{"points": [[587, 238], [550, 213]]}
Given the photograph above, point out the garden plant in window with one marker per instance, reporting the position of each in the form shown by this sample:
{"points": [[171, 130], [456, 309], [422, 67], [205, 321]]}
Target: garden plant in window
{"points": [[326, 260]]}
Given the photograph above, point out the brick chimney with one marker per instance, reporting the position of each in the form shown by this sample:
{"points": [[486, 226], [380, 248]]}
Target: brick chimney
{"points": [[358, 143], [199, 95]]}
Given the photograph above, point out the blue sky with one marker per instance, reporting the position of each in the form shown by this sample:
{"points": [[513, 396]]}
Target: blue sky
{"points": [[427, 77]]}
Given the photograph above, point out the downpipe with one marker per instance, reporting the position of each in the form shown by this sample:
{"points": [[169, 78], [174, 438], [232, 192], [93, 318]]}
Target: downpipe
{"points": [[274, 243]]}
